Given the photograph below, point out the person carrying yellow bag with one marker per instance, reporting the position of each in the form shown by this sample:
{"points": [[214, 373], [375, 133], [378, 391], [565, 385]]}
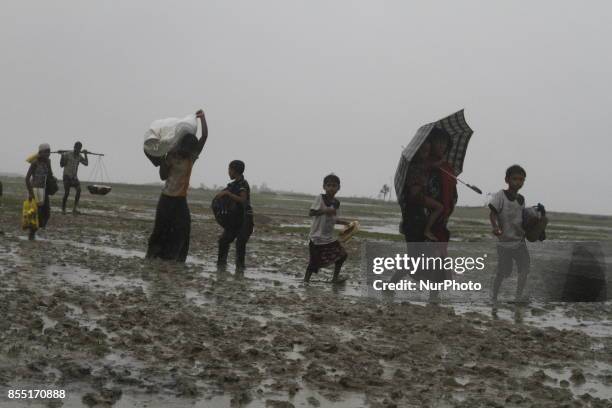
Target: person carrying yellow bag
{"points": [[36, 181]]}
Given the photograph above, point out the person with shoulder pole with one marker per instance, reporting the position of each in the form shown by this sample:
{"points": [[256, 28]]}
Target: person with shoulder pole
{"points": [[70, 162]]}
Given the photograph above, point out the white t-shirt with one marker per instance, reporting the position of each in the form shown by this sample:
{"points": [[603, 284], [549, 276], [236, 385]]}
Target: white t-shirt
{"points": [[322, 229], [510, 217]]}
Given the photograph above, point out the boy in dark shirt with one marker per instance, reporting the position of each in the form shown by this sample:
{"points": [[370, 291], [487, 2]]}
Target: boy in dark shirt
{"points": [[240, 193]]}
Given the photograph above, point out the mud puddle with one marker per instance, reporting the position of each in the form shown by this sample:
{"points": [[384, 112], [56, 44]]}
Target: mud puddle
{"points": [[543, 316], [594, 379], [79, 276]]}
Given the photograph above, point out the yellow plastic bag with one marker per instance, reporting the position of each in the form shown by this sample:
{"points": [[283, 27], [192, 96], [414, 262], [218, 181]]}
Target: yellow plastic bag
{"points": [[29, 215], [347, 233], [32, 158]]}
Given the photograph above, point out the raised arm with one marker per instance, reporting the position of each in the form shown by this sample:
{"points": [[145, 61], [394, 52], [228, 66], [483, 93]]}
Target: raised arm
{"points": [[202, 141], [83, 159]]}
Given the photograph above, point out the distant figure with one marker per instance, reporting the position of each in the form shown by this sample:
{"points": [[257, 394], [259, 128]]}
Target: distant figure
{"points": [[171, 233], [239, 192], [70, 162], [36, 180], [506, 218], [324, 247]]}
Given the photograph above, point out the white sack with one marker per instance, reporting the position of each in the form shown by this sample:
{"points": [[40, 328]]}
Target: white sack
{"points": [[164, 134]]}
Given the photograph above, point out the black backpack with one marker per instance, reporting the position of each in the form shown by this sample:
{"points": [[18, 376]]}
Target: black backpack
{"points": [[227, 212], [52, 186]]}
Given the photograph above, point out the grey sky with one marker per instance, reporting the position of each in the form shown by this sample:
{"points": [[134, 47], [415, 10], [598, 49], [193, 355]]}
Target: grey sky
{"points": [[297, 89]]}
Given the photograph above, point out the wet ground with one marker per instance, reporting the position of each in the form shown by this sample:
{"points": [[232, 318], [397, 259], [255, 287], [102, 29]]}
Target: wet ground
{"points": [[85, 313]]}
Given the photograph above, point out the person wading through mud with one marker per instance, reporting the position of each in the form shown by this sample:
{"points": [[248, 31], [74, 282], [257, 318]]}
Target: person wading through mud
{"points": [[324, 248], [70, 162], [37, 180], [414, 218], [441, 188], [239, 192], [171, 232]]}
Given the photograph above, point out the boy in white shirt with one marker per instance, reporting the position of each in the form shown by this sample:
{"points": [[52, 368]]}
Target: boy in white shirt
{"points": [[506, 218], [325, 249]]}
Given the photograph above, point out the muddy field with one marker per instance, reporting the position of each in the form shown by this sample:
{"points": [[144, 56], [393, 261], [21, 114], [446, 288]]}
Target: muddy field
{"points": [[85, 313]]}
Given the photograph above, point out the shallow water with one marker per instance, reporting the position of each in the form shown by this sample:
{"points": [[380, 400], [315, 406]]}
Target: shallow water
{"points": [[78, 276], [542, 318]]}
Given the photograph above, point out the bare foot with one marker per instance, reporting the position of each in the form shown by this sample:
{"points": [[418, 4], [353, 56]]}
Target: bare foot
{"points": [[307, 276]]}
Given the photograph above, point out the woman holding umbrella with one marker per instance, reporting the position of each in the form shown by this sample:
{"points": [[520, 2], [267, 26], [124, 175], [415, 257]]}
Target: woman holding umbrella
{"points": [[448, 139]]}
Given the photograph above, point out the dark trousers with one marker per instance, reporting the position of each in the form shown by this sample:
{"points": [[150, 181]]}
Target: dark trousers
{"points": [[241, 235], [170, 237], [506, 256], [323, 255], [44, 213], [68, 183]]}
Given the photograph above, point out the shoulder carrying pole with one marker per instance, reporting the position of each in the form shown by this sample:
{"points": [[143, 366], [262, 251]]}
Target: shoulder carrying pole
{"points": [[82, 151]]}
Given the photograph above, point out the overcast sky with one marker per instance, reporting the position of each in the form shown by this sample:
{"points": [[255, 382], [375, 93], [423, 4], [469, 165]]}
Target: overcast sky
{"points": [[298, 89]]}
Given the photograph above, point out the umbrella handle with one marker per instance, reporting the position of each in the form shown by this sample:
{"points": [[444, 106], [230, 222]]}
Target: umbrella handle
{"points": [[476, 189], [473, 188]]}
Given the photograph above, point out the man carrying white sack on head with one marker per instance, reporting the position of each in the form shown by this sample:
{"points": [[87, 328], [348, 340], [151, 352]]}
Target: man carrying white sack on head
{"points": [[171, 233]]}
